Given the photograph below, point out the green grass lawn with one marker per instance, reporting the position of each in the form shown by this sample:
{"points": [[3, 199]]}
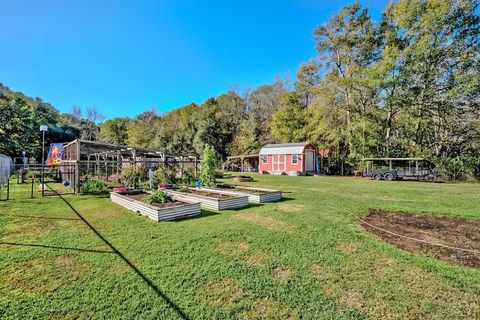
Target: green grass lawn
{"points": [[305, 257]]}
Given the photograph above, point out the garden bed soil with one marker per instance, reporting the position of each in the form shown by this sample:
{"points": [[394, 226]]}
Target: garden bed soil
{"points": [[208, 194], [141, 196], [450, 231], [238, 189]]}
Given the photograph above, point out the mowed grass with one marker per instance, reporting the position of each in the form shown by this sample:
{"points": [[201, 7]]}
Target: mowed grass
{"points": [[304, 257]]}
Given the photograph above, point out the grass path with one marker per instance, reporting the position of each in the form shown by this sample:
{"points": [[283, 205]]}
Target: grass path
{"points": [[304, 257]]}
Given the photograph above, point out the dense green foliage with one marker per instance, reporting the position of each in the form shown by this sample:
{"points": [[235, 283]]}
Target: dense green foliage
{"points": [[208, 166], [20, 119], [222, 266], [406, 85], [158, 196], [132, 176], [93, 185], [165, 174]]}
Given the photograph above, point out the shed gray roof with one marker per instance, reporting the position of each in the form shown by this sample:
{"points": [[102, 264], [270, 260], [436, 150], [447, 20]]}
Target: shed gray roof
{"points": [[284, 148]]}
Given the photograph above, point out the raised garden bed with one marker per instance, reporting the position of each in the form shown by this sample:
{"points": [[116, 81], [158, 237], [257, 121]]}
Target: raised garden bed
{"points": [[216, 200], [172, 210], [243, 179], [255, 195]]}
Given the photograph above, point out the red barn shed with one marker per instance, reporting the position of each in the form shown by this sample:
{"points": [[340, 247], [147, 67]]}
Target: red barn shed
{"points": [[290, 158]]}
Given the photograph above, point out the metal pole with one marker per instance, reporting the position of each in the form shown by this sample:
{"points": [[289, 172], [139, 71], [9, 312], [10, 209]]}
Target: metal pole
{"points": [[33, 181], [43, 164]]}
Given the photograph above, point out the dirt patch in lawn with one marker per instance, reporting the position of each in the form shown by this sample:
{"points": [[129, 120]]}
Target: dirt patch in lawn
{"points": [[268, 308], [21, 229], [266, 222], [42, 275], [291, 207], [256, 259], [221, 293], [347, 247], [282, 272], [449, 231], [232, 248]]}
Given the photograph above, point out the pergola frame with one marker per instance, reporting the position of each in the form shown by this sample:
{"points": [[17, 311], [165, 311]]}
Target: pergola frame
{"points": [[84, 152]]}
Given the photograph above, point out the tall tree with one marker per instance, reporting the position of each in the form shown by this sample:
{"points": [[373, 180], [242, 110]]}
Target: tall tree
{"points": [[141, 129], [348, 44], [289, 122], [114, 131]]}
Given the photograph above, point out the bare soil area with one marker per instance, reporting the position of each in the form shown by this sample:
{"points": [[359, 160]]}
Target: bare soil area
{"points": [[449, 231], [210, 194]]}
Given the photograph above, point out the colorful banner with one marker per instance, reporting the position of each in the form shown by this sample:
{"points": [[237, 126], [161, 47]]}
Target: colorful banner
{"points": [[55, 154]]}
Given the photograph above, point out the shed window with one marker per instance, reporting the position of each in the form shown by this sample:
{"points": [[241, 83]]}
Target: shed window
{"points": [[264, 159], [294, 158]]}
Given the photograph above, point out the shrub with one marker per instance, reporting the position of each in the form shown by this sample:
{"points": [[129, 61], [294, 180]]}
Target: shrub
{"points": [[208, 166], [458, 168], [159, 197], [146, 185], [132, 176], [188, 177], [219, 174], [93, 185], [183, 189], [165, 174]]}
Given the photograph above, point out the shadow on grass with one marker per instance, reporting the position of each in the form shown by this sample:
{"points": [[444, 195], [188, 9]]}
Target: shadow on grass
{"points": [[205, 213], [53, 247], [284, 199], [147, 281]]}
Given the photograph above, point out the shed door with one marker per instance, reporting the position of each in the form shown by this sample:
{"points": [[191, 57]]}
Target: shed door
{"points": [[282, 162], [279, 162], [309, 161]]}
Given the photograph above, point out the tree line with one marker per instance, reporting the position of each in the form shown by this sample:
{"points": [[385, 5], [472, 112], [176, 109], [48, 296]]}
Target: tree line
{"points": [[406, 85]]}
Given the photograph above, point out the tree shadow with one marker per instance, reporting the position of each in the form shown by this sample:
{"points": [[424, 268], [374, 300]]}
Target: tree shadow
{"points": [[147, 281], [284, 199]]}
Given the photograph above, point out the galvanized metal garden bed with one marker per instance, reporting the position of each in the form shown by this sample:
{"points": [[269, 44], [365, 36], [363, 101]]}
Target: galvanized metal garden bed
{"points": [[254, 194], [186, 208], [235, 202]]}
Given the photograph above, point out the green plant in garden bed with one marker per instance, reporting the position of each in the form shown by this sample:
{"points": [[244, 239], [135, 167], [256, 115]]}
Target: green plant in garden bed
{"points": [[158, 196], [208, 166]]}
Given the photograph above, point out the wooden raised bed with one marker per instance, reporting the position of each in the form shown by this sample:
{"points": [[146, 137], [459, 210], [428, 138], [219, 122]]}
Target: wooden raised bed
{"points": [[184, 209], [229, 201], [255, 195]]}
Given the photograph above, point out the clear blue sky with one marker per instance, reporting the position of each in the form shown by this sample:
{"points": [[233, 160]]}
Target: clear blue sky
{"points": [[125, 57]]}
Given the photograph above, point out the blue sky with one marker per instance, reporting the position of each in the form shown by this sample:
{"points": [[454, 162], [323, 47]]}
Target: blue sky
{"points": [[125, 57]]}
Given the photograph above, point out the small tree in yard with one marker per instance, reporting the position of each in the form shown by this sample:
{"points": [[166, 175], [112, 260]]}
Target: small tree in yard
{"points": [[208, 166]]}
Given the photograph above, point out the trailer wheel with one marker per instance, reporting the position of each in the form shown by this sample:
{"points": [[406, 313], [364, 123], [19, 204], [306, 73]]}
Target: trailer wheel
{"points": [[389, 176], [377, 176]]}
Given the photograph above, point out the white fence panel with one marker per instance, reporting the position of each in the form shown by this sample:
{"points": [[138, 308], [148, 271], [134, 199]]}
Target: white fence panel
{"points": [[5, 169]]}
